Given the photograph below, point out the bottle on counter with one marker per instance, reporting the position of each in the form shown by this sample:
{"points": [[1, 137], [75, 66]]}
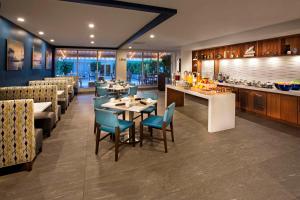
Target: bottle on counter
{"points": [[198, 77]]}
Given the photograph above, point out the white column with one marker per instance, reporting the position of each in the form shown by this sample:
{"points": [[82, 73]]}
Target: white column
{"points": [[186, 60], [121, 65]]}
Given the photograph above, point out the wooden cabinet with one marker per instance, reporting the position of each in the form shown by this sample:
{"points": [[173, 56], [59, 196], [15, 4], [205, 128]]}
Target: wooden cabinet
{"points": [[293, 42], [273, 105], [258, 102], [270, 47], [285, 108], [244, 99], [289, 108], [299, 110], [262, 48]]}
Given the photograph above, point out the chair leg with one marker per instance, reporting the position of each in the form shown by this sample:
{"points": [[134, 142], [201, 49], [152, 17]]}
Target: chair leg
{"points": [[95, 126], [117, 133], [142, 116], [141, 134], [155, 109], [98, 131], [165, 139], [149, 129], [124, 116], [133, 134], [172, 130]]}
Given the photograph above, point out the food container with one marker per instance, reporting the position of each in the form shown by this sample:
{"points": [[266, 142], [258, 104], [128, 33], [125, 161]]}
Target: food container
{"points": [[284, 86], [296, 86]]}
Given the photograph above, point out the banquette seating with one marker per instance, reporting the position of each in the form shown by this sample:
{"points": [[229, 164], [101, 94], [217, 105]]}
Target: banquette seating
{"points": [[48, 93], [20, 142], [73, 84], [63, 100]]}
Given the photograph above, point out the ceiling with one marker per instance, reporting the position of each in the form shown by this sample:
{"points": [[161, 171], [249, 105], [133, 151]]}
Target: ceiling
{"points": [[196, 20], [67, 23], [201, 20]]}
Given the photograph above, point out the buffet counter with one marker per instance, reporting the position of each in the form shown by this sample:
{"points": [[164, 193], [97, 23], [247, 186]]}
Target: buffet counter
{"points": [[274, 90], [221, 106], [275, 104]]}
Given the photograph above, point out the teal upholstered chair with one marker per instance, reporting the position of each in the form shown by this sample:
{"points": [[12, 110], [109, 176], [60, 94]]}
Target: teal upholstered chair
{"points": [[99, 84], [161, 123], [108, 122], [101, 91], [150, 109], [132, 90], [99, 101]]}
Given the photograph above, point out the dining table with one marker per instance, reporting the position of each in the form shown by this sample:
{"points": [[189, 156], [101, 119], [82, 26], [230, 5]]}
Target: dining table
{"points": [[131, 105], [41, 106], [118, 89], [60, 92]]}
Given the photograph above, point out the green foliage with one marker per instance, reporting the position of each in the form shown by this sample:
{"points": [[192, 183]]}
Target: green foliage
{"points": [[64, 67], [165, 65], [93, 66], [135, 67]]}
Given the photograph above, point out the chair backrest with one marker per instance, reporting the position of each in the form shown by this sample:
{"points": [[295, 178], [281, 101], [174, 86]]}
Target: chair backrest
{"points": [[98, 83], [169, 113], [17, 138], [98, 101], [106, 118], [132, 90], [151, 95], [101, 91]]}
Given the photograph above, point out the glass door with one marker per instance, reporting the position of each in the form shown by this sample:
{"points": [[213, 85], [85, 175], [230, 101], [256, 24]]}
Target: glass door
{"points": [[87, 67], [150, 68], [107, 65]]}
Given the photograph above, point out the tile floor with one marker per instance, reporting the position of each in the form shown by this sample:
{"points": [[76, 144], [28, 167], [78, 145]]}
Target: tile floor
{"points": [[259, 159]]}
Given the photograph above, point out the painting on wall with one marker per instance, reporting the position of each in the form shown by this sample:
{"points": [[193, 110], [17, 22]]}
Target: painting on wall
{"points": [[48, 59], [37, 56], [15, 55]]}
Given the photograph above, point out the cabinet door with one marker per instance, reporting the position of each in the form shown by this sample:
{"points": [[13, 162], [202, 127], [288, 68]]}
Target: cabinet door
{"points": [[273, 105], [289, 108], [237, 97], [258, 102], [244, 100]]}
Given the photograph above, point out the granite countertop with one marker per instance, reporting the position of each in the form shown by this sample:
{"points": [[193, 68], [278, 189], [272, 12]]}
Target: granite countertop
{"points": [[274, 90]]}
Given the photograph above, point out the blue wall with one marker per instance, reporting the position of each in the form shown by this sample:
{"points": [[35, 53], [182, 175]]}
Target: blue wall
{"points": [[16, 78]]}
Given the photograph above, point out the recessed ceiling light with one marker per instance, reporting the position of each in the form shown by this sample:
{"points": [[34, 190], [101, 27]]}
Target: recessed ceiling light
{"points": [[92, 42], [130, 47], [152, 36], [20, 19], [92, 36], [41, 33], [91, 25], [51, 40]]}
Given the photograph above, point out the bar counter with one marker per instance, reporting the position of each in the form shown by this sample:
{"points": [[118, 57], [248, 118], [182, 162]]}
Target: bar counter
{"points": [[221, 106]]}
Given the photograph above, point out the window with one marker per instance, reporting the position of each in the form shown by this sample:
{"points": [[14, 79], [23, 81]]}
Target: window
{"points": [[88, 65], [66, 62]]}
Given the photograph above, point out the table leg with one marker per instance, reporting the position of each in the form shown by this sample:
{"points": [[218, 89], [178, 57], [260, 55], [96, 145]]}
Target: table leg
{"points": [[131, 115]]}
